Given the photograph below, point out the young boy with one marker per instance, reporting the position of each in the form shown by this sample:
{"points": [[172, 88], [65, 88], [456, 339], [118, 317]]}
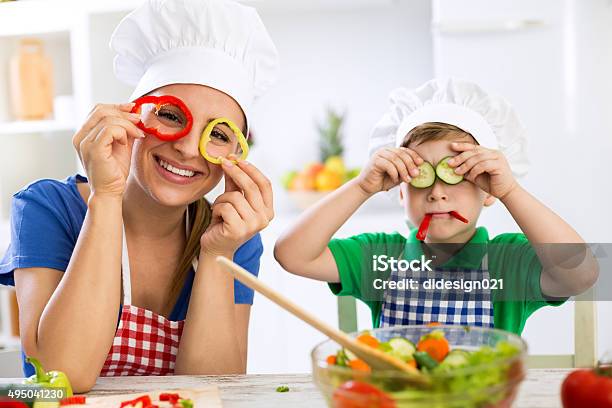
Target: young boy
{"points": [[494, 282]]}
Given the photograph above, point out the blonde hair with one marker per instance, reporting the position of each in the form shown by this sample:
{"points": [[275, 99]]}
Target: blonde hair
{"points": [[434, 131], [200, 214]]}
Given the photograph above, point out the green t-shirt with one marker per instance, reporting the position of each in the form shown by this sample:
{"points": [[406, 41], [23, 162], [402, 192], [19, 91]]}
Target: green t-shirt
{"points": [[510, 257]]}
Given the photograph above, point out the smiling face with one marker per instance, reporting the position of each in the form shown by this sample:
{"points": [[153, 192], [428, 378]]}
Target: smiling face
{"points": [[441, 198], [174, 173]]}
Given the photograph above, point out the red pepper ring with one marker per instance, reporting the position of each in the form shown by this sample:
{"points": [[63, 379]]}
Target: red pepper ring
{"points": [[160, 101]]}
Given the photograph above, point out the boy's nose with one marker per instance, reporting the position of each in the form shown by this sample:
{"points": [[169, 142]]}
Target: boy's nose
{"points": [[437, 192]]}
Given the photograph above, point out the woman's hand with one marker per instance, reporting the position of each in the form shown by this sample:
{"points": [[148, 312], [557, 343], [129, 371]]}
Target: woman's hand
{"points": [[244, 209], [486, 168], [104, 145], [387, 168]]}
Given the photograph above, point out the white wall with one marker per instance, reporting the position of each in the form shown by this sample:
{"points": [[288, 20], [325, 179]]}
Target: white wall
{"points": [[557, 77], [350, 60]]}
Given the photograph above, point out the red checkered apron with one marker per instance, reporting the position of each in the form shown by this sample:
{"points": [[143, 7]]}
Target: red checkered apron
{"points": [[145, 343]]}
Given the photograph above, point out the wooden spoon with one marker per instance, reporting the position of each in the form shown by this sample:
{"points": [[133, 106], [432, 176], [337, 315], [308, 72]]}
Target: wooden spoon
{"points": [[373, 357]]}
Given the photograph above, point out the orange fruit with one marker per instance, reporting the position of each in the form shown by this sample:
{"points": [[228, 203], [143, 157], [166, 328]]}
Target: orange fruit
{"points": [[328, 180], [312, 169], [302, 182]]}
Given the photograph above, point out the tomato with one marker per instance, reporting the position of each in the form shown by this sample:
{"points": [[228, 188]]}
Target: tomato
{"points": [[588, 388], [356, 394]]}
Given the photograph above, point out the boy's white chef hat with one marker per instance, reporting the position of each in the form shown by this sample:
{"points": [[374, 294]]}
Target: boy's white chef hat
{"points": [[217, 43], [490, 119]]}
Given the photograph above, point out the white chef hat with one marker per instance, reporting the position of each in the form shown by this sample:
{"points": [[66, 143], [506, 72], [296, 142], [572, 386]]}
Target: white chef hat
{"points": [[217, 43], [490, 119]]}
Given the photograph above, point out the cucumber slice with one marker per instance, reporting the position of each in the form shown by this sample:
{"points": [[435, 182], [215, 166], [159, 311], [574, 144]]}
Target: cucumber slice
{"points": [[456, 358], [426, 177], [402, 348], [447, 173]]}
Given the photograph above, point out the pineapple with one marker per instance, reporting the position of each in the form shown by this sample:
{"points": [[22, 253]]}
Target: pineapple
{"points": [[330, 138]]}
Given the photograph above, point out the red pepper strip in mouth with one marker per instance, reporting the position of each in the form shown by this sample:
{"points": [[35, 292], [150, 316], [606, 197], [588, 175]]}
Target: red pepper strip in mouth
{"points": [[422, 233], [459, 216]]}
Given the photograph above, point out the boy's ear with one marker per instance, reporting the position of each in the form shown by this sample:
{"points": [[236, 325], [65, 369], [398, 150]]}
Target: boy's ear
{"points": [[489, 201]]}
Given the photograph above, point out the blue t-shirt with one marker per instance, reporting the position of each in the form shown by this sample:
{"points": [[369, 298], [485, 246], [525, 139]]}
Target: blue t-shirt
{"points": [[46, 218]]}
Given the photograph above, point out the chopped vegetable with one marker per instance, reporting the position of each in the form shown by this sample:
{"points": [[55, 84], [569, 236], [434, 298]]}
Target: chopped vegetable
{"points": [[51, 379], [359, 365], [74, 400], [435, 345], [369, 340], [454, 359], [401, 348], [282, 388], [159, 102], [186, 403], [422, 232], [446, 173], [140, 402], [331, 359], [356, 394], [426, 177], [459, 217], [424, 360]]}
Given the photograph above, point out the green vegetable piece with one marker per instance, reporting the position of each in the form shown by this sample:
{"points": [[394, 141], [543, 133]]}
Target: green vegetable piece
{"points": [[446, 173], [186, 403], [282, 388], [51, 379], [423, 359], [426, 177], [402, 348], [456, 358]]}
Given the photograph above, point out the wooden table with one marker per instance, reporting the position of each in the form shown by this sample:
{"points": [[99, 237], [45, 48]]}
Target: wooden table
{"points": [[541, 389]]}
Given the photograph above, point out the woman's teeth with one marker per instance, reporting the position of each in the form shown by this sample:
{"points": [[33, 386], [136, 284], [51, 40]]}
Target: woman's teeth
{"points": [[184, 173]]}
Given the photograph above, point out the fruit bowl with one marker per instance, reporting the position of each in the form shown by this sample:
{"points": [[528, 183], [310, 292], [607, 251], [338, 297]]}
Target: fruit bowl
{"points": [[490, 384], [304, 199]]}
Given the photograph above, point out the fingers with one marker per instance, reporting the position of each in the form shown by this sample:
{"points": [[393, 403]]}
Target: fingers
{"points": [[129, 129], [100, 113], [253, 220], [486, 166], [400, 168], [403, 161], [264, 184], [467, 162], [227, 213], [388, 167], [463, 146], [256, 187]]}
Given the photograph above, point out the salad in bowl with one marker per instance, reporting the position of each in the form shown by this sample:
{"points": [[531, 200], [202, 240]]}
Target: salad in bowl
{"points": [[468, 367]]}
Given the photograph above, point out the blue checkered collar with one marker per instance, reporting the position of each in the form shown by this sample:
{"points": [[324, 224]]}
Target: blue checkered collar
{"points": [[468, 257]]}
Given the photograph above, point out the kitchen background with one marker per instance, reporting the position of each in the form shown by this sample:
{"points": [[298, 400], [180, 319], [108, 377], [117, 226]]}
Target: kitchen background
{"points": [[551, 58]]}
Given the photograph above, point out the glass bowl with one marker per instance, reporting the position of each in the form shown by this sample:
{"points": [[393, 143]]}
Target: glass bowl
{"points": [[493, 384]]}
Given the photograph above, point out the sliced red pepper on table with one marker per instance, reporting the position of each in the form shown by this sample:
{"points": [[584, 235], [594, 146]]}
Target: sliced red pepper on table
{"points": [[144, 401], [160, 101], [74, 400]]}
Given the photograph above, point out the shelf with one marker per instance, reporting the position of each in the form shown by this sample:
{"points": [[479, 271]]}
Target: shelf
{"points": [[34, 126]]}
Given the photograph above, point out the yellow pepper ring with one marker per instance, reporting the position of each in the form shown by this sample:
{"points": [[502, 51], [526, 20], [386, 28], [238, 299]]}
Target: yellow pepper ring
{"points": [[206, 138]]}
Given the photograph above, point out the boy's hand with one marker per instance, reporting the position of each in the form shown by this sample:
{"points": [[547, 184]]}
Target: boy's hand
{"points": [[387, 168], [486, 168]]}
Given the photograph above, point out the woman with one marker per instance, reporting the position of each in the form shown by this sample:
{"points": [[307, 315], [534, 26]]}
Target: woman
{"points": [[136, 238]]}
